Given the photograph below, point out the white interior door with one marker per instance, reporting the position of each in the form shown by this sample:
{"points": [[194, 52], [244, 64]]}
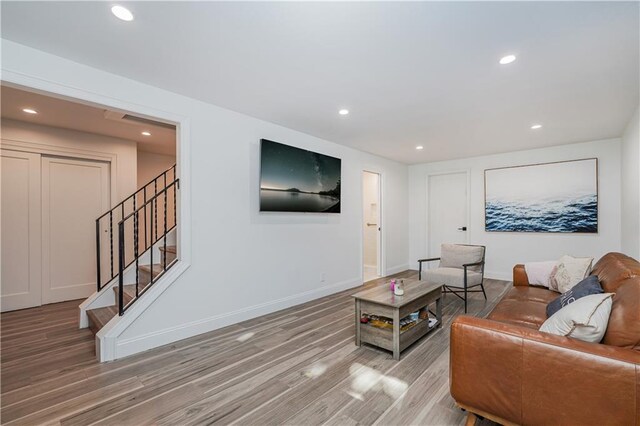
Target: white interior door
{"points": [[20, 230], [371, 227], [74, 194], [448, 210]]}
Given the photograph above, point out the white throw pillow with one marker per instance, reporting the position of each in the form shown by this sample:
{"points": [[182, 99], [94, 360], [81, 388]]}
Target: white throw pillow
{"points": [[541, 273], [585, 319], [571, 270]]}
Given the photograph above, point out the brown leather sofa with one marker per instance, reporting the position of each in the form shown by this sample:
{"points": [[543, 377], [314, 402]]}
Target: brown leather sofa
{"points": [[504, 369]]}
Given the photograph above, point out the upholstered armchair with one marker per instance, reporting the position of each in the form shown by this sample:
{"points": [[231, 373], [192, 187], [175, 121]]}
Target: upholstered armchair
{"points": [[461, 269]]}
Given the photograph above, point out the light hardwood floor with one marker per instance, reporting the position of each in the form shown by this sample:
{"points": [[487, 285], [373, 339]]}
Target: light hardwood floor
{"points": [[299, 366]]}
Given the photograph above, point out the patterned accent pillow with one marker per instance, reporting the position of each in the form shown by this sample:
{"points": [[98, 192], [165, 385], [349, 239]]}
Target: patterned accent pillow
{"points": [[571, 270], [589, 285]]}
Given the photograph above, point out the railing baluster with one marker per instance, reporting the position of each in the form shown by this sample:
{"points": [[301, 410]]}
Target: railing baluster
{"points": [[98, 253], [111, 239], [121, 267], [154, 200], [122, 218], [155, 194], [165, 222], [145, 218], [136, 243]]}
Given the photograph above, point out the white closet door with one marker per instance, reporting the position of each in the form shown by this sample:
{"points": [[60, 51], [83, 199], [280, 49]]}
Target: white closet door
{"points": [[20, 230], [74, 194]]}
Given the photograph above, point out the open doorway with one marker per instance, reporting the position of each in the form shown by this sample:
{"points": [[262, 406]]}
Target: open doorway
{"points": [[63, 164], [371, 226]]}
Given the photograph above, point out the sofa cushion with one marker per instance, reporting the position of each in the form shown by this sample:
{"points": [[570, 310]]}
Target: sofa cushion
{"points": [[524, 306], [589, 285], [613, 268], [624, 322], [452, 277], [531, 294], [585, 319], [456, 255]]}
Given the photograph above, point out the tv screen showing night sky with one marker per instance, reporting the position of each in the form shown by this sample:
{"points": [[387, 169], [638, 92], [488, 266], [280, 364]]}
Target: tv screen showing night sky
{"points": [[297, 180]]}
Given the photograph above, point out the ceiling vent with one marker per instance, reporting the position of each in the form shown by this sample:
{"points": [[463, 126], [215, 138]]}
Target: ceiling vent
{"points": [[132, 119]]}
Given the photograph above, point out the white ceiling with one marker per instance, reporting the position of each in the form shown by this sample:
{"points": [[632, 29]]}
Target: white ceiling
{"points": [[75, 116], [411, 73]]}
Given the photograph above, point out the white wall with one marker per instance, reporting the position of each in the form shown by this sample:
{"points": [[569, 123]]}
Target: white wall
{"points": [[507, 249], [243, 263], [151, 165], [631, 187], [66, 142]]}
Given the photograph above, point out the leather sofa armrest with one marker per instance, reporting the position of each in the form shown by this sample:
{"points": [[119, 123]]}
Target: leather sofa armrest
{"points": [[519, 375], [520, 275]]}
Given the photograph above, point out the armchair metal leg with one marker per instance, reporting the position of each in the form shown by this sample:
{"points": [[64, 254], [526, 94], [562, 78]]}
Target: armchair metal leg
{"points": [[465, 299], [483, 292], [465, 289]]}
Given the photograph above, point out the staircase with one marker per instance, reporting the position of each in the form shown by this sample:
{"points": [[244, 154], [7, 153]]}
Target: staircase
{"points": [[128, 237]]}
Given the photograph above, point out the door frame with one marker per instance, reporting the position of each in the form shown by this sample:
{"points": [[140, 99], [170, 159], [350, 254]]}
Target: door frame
{"points": [[71, 153], [467, 173], [380, 249]]}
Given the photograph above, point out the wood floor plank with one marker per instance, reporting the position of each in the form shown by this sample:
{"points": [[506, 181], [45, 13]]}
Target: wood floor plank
{"points": [[56, 412], [297, 366]]}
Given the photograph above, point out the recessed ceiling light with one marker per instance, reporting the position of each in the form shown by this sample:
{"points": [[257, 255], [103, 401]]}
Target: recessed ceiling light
{"points": [[419, 147], [122, 13], [343, 112], [536, 126], [146, 133], [29, 110], [507, 59]]}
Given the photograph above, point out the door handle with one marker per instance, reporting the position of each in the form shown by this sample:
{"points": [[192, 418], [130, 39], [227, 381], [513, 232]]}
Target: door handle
{"points": [[464, 228]]}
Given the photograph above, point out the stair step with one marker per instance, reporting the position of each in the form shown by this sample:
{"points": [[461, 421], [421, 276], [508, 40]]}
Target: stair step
{"points": [[157, 268], [129, 292], [170, 253], [100, 316]]}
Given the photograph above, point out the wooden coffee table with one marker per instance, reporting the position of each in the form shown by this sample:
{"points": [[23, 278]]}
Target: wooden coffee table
{"points": [[381, 301]]}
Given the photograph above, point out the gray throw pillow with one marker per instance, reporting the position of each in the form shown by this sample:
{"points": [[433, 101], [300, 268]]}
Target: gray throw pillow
{"points": [[586, 287]]}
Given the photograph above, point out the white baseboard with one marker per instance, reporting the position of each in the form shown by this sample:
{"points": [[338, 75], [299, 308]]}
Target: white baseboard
{"points": [[506, 276], [395, 269], [130, 346]]}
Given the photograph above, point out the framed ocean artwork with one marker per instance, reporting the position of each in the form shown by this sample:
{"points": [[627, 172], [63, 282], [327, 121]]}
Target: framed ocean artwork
{"points": [[549, 197]]}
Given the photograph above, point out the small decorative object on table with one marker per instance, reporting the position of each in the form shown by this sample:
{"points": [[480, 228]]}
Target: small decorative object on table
{"points": [[393, 284], [399, 289]]}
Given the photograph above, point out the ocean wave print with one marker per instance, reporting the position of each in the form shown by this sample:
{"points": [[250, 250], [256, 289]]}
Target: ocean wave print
{"points": [[568, 214]]}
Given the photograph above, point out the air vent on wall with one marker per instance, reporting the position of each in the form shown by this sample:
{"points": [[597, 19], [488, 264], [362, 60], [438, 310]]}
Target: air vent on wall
{"points": [[132, 119]]}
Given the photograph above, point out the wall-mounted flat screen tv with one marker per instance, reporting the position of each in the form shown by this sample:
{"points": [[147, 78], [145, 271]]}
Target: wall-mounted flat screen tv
{"points": [[297, 180]]}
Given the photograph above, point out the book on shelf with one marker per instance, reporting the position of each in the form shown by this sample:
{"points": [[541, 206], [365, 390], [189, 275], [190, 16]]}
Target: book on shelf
{"points": [[405, 323]]}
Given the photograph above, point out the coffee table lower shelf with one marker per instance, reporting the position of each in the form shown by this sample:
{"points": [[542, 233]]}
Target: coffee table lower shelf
{"points": [[383, 337]]}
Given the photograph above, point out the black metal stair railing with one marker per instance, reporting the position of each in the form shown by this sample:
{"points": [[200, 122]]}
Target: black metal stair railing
{"points": [[108, 267], [132, 222]]}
